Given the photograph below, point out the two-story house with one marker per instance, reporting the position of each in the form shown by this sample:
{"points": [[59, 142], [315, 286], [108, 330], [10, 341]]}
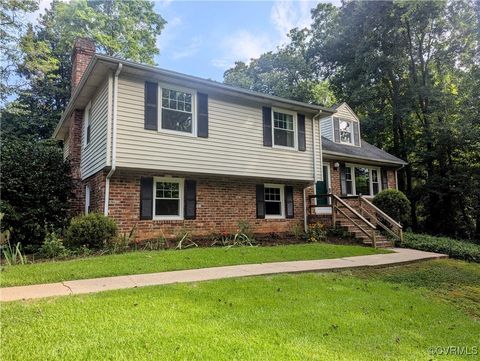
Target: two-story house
{"points": [[163, 151]]}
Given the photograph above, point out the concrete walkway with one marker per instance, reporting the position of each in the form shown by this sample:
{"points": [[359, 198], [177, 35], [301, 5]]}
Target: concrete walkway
{"points": [[401, 255]]}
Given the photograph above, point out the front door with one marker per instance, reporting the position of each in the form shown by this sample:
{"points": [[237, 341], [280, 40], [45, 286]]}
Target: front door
{"points": [[323, 187]]}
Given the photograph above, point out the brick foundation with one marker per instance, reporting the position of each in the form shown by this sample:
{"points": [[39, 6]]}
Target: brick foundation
{"points": [[221, 203]]}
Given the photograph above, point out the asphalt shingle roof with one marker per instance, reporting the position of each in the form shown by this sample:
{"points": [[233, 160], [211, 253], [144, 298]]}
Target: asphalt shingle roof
{"points": [[367, 151]]}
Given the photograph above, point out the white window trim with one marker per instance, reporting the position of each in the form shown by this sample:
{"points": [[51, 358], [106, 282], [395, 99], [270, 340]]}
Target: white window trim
{"points": [[160, 107], [181, 183], [282, 201], [352, 142], [86, 122], [369, 167], [87, 198], [295, 134]]}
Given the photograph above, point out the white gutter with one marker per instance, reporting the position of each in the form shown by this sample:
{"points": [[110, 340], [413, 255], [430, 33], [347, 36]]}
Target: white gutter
{"points": [[315, 179], [114, 139], [305, 223]]}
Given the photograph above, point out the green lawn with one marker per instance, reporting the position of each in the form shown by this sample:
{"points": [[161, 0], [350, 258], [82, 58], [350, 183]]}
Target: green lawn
{"points": [[388, 314], [159, 261]]}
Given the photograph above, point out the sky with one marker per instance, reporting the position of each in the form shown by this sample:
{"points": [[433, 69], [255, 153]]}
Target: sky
{"points": [[205, 38]]}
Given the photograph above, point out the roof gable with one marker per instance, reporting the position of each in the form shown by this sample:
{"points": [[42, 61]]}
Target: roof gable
{"points": [[346, 108]]}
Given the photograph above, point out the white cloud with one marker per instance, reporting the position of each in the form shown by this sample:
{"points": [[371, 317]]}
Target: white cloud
{"points": [[242, 45], [189, 50], [286, 15], [168, 33]]}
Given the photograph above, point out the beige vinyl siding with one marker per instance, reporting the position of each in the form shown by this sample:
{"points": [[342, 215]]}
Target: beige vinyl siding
{"points": [[66, 148], [343, 111], [94, 155], [327, 128], [234, 145]]}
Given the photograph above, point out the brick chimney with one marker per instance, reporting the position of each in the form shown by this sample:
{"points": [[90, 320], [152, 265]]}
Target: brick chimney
{"points": [[82, 53]]}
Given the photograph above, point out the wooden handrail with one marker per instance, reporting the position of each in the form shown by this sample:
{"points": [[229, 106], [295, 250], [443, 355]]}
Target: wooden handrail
{"points": [[382, 213], [355, 223], [362, 218]]}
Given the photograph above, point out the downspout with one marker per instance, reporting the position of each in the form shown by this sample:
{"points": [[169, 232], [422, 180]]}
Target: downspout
{"points": [[396, 176], [114, 139]]}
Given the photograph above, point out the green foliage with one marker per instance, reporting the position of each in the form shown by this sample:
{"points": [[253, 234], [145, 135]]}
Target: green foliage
{"points": [[122, 242], [394, 203], [452, 247], [127, 29], [35, 188], [53, 247], [316, 232], [94, 231], [244, 227], [298, 231]]}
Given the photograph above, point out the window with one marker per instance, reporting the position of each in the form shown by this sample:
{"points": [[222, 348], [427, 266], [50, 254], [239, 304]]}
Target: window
{"points": [[168, 198], [178, 110], [362, 180], [87, 198], [284, 129], [346, 131], [375, 182], [87, 116], [349, 180], [274, 203]]}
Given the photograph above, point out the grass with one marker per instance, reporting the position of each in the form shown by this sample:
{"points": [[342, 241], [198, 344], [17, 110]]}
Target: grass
{"points": [[455, 248], [388, 314], [159, 261]]}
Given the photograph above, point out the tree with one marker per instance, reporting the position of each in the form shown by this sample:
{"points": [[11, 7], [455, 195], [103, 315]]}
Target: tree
{"points": [[35, 188], [12, 27], [286, 73], [127, 29]]}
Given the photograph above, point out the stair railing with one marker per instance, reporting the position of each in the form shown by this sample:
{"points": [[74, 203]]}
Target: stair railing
{"points": [[393, 228], [363, 223]]}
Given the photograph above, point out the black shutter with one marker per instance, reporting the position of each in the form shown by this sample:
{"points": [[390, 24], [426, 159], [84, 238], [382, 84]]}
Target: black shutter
{"points": [[146, 198], [202, 115], [384, 179], [190, 199], [260, 201], [301, 133], [356, 133], [151, 106], [336, 130], [289, 201], [88, 132], [343, 180], [267, 126]]}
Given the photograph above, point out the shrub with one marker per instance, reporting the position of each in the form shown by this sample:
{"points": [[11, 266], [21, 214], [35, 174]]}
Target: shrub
{"points": [[316, 232], [394, 203], [298, 231], [93, 230], [454, 248], [53, 247], [35, 187], [244, 227]]}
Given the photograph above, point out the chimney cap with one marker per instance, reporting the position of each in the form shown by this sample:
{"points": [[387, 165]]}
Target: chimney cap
{"points": [[85, 45]]}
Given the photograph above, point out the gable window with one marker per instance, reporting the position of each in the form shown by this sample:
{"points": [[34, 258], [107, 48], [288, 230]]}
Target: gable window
{"points": [[346, 131], [177, 113], [284, 128], [274, 201], [168, 198], [87, 117], [362, 180]]}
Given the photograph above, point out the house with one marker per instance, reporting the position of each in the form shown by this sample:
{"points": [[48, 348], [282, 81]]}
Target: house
{"points": [[164, 151]]}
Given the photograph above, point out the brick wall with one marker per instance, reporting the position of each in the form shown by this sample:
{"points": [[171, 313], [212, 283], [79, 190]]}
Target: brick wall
{"points": [[221, 203], [75, 137]]}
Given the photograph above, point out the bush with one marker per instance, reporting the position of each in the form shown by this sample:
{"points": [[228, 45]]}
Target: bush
{"points": [[454, 248], [93, 231], [395, 204], [35, 188], [316, 232], [53, 247]]}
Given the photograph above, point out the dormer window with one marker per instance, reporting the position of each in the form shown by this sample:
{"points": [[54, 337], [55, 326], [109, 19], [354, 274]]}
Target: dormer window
{"points": [[346, 131]]}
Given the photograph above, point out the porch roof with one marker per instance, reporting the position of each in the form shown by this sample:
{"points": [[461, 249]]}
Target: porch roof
{"points": [[366, 152]]}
